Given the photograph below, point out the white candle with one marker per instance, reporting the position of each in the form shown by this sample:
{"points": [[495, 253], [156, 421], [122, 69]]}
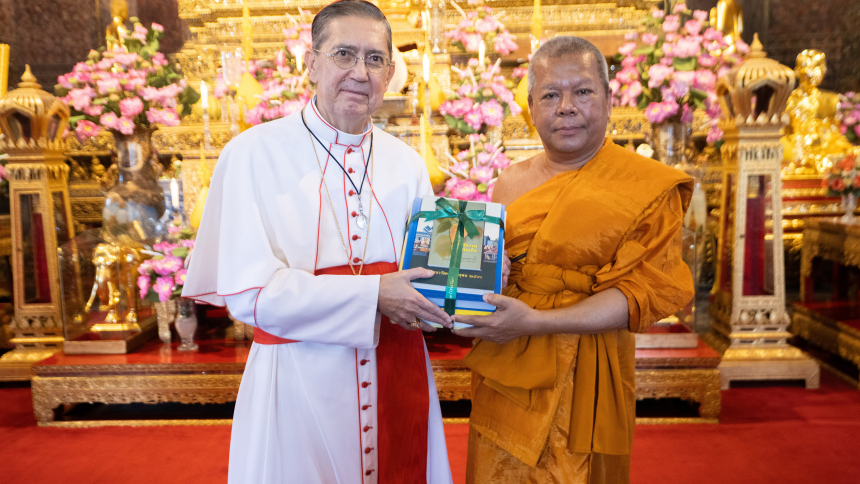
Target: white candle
{"points": [[426, 69], [300, 53], [204, 95], [174, 194], [481, 51]]}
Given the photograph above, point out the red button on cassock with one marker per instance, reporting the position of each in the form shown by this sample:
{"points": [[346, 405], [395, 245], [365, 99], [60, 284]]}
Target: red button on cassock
{"points": [[365, 407], [368, 472], [355, 237], [365, 384], [356, 260], [351, 170], [351, 193], [354, 214], [367, 450], [367, 427], [349, 150], [363, 362]]}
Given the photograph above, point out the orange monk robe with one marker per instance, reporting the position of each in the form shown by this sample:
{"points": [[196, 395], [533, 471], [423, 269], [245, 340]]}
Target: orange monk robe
{"points": [[561, 408]]}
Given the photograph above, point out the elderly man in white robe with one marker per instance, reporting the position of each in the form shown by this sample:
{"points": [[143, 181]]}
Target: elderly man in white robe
{"points": [[300, 238]]}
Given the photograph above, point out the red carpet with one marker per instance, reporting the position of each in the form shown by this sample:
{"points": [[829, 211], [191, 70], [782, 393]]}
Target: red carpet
{"points": [[780, 435]]}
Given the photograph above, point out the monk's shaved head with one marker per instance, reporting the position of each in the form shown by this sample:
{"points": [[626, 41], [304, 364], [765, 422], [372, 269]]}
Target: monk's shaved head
{"points": [[566, 45]]}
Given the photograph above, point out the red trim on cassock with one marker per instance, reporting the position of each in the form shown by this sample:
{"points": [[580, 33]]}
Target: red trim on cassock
{"points": [[403, 399]]}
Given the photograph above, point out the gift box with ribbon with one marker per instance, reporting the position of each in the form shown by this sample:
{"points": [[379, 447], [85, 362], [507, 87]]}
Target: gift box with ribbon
{"points": [[463, 243]]}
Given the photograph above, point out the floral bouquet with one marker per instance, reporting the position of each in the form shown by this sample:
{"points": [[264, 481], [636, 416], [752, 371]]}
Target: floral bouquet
{"points": [[849, 116], [479, 104], [480, 26], [474, 171], [674, 67], [162, 277], [130, 86], [285, 89], [843, 177]]}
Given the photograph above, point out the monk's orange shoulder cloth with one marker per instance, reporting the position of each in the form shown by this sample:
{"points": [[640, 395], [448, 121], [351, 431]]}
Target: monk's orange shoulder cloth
{"points": [[584, 231]]}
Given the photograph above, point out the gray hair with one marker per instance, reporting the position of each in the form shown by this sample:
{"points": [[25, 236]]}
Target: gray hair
{"points": [[567, 45], [346, 8]]}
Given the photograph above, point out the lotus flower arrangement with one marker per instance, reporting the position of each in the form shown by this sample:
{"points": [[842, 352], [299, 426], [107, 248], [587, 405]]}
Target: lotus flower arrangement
{"points": [[478, 104], [843, 177], [128, 87], [285, 89], [474, 172], [849, 116], [479, 26], [674, 66], [162, 277]]}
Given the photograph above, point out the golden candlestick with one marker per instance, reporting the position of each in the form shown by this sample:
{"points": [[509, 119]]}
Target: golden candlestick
{"points": [[4, 68], [537, 26]]}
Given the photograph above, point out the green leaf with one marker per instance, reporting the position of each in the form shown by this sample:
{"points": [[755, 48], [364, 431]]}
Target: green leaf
{"points": [[698, 102], [642, 103], [444, 225], [181, 252], [451, 120], [60, 91], [684, 64], [618, 57], [698, 94], [151, 296], [644, 50]]}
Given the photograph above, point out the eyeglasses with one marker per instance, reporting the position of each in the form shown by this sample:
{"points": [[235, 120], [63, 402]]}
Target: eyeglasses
{"points": [[346, 59]]}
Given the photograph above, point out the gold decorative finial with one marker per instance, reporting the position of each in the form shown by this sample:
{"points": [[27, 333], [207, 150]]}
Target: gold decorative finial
{"points": [[28, 80], [756, 48]]}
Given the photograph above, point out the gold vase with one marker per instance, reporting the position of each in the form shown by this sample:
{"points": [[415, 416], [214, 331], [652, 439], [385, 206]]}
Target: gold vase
{"points": [[165, 313]]}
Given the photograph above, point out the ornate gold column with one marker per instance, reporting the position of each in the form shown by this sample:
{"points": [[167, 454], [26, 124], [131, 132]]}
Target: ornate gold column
{"points": [[33, 122]]}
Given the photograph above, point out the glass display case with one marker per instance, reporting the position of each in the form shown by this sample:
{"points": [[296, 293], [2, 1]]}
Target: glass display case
{"points": [[101, 308]]}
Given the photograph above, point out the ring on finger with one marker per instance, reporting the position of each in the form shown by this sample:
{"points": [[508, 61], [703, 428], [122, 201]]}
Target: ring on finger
{"points": [[416, 324]]}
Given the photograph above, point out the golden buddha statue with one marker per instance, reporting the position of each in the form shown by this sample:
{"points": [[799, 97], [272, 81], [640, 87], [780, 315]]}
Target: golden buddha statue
{"points": [[117, 30], [727, 17], [813, 133]]}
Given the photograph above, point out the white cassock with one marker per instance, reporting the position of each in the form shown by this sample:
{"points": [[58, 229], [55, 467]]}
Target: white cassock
{"points": [[306, 411]]}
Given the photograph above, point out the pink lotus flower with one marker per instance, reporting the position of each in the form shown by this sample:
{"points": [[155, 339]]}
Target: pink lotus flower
{"points": [[659, 112], [164, 287], [157, 27], [140, 33], [657, 74], [180, 277], [680, 7], [713, 35], [481, 174], [464, 190], [143, 284], [693, 26], [627, 48], [474, 119], [628, 75], [86, 129], [700, 15], [671, 24], [109, 120], [501, 161], [657, 13], [131, 107], [707, 60], [687, 114], [687, 47], [168, 265], [650, 38], [492, 112], [705, 80], [94, 110], [125, 125], [187, 243], [165, 247], [126, 59]]}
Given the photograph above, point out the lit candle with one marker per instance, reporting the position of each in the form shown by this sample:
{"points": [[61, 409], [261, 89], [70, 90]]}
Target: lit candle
{"points": [[300, 53], [174, 194], [481, 50], [204, 95], [426, 68]]}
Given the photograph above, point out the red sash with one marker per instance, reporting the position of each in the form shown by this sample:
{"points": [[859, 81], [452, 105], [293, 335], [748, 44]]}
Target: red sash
{"points": [[403, 400]]}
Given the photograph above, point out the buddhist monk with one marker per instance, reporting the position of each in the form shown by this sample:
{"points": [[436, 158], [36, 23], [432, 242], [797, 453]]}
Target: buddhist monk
{"points": [[594, 233]]}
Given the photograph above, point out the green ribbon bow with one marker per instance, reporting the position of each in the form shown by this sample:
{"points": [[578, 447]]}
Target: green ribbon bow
{"points": [[465, 223]]}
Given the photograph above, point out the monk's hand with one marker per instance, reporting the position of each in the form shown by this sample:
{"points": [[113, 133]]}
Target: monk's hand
{"points": [[511, 320], [403, 304], [506, 269]]}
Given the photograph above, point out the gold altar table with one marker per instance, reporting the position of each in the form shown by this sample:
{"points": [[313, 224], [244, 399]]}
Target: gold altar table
{"points": [[833, 325], [156, 373]]}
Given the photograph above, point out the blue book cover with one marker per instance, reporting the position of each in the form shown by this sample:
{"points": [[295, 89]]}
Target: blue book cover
{"points": [[428, 244]]}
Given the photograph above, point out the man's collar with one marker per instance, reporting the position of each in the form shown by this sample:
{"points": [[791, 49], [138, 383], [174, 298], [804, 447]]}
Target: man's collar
{"points": [[328, 133]]}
